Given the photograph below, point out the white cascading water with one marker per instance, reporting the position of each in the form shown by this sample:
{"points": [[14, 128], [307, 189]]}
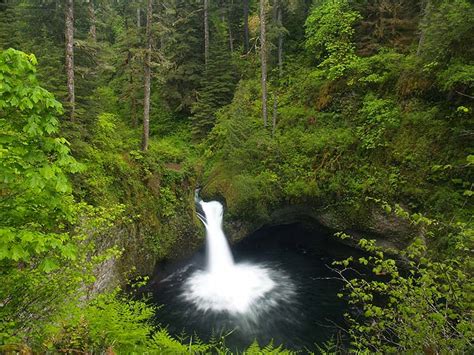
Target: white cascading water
{"points": [[225, 286], [218, 253]]}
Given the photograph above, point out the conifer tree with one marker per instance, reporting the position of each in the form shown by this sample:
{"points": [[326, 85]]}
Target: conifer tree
{"points": [[217, 86], [182, 46], [92, 19]]}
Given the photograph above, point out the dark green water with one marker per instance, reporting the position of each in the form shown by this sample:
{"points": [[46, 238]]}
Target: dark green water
{"points": [[301, 257]]}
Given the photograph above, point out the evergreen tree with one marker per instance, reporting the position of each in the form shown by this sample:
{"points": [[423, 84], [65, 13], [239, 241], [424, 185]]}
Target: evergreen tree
{"points": [[217, 85], [182, 46]]}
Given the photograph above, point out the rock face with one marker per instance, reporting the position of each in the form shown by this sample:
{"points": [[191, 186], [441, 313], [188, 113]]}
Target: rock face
{"points": [[145, 244], [389, 231], [245, 214]]}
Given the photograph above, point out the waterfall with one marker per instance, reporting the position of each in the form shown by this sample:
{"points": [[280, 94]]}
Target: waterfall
{"points": [[219, 256], [225, 286]]}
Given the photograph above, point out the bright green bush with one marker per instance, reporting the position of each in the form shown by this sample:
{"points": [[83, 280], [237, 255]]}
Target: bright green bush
{"points": [[329, 35], [51, 246], [377, 118], [414, 303]]}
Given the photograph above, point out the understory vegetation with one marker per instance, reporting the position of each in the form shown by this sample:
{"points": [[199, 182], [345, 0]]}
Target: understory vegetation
{"points": [[369, 106]]}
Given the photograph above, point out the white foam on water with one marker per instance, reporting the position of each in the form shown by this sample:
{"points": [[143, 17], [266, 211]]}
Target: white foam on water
{"points": [[235, 288], [235, 291]]}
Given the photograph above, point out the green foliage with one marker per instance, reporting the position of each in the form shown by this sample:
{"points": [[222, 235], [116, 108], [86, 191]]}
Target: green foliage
{"points": [[446, 30], [457, 76], [378, 117], [217, 88], [182, 34], [377, 70], [165, 344], [48, 283], [329, 35], [51, 247], [270, 349], [37, 198], [113, 322], [377, 130], [108, 320], [414, 303]]}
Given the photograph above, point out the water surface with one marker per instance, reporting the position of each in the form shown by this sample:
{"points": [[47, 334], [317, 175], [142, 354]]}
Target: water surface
{"points": [[301, 310]]}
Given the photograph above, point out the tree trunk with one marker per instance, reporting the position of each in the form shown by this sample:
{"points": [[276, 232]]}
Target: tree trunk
{"points": [[146, 100], [280, 65], [246, 26], [206, 32], [229, 18], [280, 42], [231, 39], [92, 28], [69, 34], [133, 100], [426, 15], [263, 54], [139, 20]]}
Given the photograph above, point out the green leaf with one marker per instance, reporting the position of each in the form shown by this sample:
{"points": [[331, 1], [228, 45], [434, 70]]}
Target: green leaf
{"points": [[468, 193], [18, 253], [49, 265], [470, 159], [69, 251]]}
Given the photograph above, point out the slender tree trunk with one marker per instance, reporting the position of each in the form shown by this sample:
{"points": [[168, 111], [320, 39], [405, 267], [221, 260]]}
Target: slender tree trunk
{"points": [[69, 34], [280, 65], [146, 100], [246, 26], [206, 32], [225, 17], [133, 100], [280, 42], [263, 54], [229, 20], [92, 19], [231, 38], [426, 15], [133, 105], [139, 13]]}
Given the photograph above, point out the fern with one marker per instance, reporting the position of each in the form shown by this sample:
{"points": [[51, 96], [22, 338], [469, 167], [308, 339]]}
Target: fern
{"points": [[269, 349], [327, 348], [166, 344]]}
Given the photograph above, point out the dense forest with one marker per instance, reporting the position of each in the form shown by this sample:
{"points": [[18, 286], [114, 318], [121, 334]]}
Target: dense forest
{"points": [[112, 112]]}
